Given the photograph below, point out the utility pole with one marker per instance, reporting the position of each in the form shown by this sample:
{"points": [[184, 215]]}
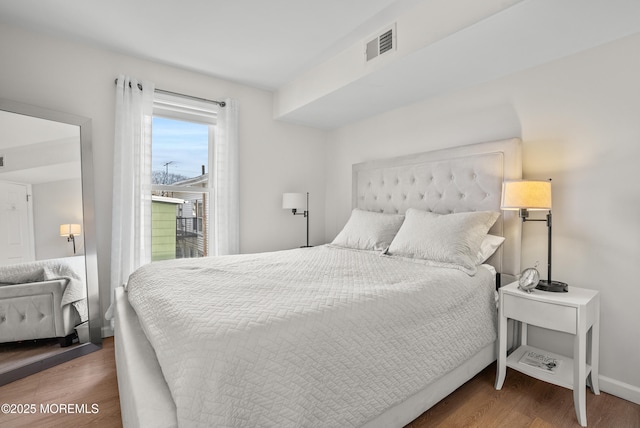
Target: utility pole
{"points": [[166, 171]]}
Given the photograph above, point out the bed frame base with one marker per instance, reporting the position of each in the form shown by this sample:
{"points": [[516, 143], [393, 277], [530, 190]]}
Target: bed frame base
{"points": [[34, 311], [145, 400]]}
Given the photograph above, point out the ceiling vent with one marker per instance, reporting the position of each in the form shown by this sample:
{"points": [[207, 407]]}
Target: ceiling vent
{"points": [[381, 44]]}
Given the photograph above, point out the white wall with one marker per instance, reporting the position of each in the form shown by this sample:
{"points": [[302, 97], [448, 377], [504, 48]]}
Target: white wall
{"points": [[274, 157], [56, 203], [579, 119]]}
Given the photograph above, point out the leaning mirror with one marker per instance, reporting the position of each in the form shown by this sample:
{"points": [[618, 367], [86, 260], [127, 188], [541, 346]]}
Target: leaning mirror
{"points": [[49, 308]]}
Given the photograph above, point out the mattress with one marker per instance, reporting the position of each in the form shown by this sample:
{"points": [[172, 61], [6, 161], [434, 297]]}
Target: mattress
{"points": [[308, 337]]}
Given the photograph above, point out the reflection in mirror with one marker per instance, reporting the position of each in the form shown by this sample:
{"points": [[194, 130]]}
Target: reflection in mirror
{"points": [[46, 248], [41, 181]]}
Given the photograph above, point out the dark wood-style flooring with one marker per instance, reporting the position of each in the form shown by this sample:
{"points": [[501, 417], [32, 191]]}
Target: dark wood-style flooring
{"points": [[90, 379], [523, 401]]}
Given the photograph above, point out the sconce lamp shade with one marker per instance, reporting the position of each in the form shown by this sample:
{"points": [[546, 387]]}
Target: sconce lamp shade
{"points": [[70, 229], [297, 201], [526, 194]]}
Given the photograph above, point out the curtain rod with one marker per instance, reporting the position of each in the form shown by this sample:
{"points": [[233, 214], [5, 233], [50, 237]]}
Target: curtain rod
{"points": [[162, 91]]}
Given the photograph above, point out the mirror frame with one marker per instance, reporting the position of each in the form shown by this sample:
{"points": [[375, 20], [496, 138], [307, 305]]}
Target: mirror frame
{"points": [[89, 231]]}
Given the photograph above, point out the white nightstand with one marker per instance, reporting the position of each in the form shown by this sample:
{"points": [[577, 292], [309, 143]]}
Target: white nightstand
{"points": [[576, 312]]}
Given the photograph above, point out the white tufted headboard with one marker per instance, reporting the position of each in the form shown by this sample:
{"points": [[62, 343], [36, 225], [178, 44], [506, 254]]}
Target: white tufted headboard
{"points": [[459, 179]]}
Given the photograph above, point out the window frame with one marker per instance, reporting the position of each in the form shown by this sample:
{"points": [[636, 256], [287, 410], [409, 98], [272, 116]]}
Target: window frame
{"points": [[186, 109]]}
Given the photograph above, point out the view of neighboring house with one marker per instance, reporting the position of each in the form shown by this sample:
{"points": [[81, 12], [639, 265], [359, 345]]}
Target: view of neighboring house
{"points": [[163, 229], [180, 222]]}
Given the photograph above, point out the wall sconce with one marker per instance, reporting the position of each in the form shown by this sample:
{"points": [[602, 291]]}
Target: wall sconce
{"points": [[525, 196], [71, 231], [295, 202]]}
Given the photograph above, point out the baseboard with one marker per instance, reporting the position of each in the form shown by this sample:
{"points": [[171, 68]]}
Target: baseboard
{"points": [[107, 331], [620, 389]]}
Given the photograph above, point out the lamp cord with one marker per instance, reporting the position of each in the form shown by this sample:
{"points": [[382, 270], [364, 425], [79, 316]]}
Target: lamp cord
{"points": [[306, 214], [549, 245]]}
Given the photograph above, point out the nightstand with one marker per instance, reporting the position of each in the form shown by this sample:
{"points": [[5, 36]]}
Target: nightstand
{"points": [[576, 312]]}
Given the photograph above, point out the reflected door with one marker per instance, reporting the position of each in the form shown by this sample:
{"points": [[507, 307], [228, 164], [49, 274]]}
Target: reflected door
{"points": [[16, 244]]}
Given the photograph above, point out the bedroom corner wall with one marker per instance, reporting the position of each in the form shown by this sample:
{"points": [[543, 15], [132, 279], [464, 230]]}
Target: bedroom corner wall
{"points": [[579, 119], [274, 157]]}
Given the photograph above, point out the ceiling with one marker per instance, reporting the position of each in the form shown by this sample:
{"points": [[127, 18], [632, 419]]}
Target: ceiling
{"points": [[269, 44], [261, 43], [19, 130]]}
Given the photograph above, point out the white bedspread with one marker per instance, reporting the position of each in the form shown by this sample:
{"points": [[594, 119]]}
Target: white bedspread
{"points": [[70, 268], [317, 337]]}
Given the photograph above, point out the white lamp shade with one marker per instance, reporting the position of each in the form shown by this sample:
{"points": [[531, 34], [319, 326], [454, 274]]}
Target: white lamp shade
{"points": [[70, 229], [296, 201], [529, 194]]}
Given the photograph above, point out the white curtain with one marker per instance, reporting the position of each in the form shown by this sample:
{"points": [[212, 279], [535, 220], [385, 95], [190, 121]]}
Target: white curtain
{"points": [[131, 213], [226, 181]]}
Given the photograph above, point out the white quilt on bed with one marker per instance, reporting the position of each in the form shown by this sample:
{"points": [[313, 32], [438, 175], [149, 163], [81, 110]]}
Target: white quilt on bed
{"points": [[70, 268], [318, 337]]}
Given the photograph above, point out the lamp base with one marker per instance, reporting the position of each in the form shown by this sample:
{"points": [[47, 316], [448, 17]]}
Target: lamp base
{"points": [[553, 286], [307, 246]]}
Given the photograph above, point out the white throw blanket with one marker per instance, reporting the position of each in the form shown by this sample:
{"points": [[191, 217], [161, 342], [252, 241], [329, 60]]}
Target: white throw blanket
{"points": [[70, 268], [315, 337]]}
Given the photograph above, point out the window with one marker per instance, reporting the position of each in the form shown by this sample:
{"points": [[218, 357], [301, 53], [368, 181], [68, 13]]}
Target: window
{"points": [[181, 158]]}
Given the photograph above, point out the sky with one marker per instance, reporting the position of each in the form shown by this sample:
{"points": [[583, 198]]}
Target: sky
{"points": [[184, 144]]}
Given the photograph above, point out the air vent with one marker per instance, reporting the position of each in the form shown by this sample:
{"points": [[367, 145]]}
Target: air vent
{"points": [[386, 42], [383, 43], [1, 161]]}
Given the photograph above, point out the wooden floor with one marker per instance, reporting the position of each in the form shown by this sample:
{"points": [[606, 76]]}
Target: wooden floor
{"points": [[523, 401], [88, 380]]}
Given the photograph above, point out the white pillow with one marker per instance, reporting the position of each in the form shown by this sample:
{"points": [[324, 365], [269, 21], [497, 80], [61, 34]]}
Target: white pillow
{"points": [[367, 230], [451, 240], [489, 245]]}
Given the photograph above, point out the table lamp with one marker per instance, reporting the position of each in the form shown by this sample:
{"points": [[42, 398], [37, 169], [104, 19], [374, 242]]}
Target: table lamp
{"points": [[531, 195], [298, 202], [70, 231]]}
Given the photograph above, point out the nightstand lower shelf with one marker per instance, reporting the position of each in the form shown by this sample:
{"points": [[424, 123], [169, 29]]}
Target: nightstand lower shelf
{"points": [[563, 376]]}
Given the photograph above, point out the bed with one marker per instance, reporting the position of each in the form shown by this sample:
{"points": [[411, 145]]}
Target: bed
{"points": [[42, 299], [370, 330]]}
